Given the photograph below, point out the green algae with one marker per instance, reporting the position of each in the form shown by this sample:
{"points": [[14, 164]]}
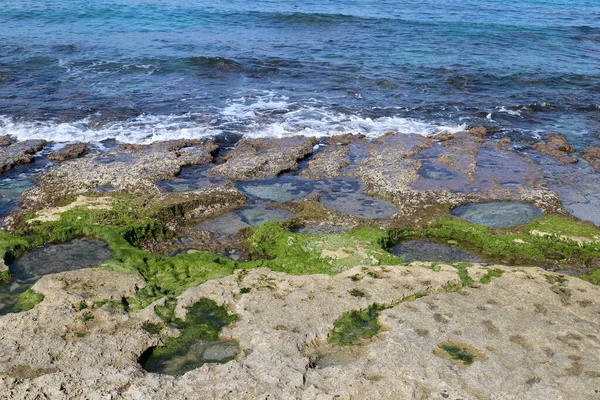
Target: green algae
{"points": [[29, 299], [202, 324], [457, 352], [593, 278], [551, 239], [301, 254], [492, 273], [355, 326], [463, 273]]}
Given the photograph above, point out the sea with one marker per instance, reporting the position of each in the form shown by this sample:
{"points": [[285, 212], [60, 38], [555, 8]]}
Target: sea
{"points": [[137, 71]]}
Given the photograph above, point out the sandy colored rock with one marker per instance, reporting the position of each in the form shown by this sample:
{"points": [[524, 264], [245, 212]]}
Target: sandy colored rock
{"points": [[532, 332], [558, 148], [264, 157], [328, 163], [593, 157], [5, 140], [133, 169], [69, 152], [89, 203], [19, 153]]}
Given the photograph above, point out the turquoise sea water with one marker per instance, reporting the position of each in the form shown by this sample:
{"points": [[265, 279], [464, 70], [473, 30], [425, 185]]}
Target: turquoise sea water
{"points": [[140, 70]]}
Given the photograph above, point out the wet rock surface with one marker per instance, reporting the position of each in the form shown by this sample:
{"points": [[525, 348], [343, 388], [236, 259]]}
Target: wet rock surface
{"points": [[69, 152], [131, 168], [5, 140], [25, 271], [430, 330], [558, 148], [592, 156], [19, 153]]}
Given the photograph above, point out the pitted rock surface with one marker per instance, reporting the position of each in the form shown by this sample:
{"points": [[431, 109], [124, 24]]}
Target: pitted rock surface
{"points": [[264, 158], [533, 332], [133, 168], [69, 152]]}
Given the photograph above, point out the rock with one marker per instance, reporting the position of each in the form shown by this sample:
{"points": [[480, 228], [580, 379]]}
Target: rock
{"points": [[558, 148], [479, 131], [19, 153], [593, 157], [89, 203], [264, 158], [5, 140], [69, 152], [133, 169], [525, 334], [328, 163]]}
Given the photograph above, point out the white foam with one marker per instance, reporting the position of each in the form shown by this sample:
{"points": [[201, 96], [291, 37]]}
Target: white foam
{"points": [[143, 129], [261, 115], [514, 113]]}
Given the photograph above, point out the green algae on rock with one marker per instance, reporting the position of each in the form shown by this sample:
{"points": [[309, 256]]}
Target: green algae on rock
{"points": [[551, 240], [198, 340], [355, 326], [297, 253]]}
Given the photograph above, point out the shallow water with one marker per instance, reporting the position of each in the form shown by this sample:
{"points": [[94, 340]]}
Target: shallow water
{"points": [[418, 250], [251, 216], [51, 259], [342, 194], [501, 214], [195, 354]]}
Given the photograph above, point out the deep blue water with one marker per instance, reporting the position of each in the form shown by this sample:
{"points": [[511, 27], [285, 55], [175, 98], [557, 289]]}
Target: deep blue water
{"points": [[137, 70]]}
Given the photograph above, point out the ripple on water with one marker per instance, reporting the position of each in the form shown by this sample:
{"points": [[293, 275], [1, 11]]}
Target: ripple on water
{"points": [[501, 214]]}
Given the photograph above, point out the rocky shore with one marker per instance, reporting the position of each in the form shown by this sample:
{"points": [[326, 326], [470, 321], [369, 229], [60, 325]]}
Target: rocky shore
{"points": [[271, 270]]}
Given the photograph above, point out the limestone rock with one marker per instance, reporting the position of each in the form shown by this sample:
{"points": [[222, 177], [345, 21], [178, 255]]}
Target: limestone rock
{"points": [[69, 152], [264, 158], [133, 168], [19, 153], [5, 140], [593, 157], [558, 148], [529, 332]]}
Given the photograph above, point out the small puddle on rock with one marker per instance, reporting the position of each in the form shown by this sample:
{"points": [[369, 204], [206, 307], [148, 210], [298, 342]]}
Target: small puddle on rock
{"points": [[252, 216], [502, 214], [342, 194], [80, 253], [418, 250], [191, 178], [436, 171], [194, 354]]}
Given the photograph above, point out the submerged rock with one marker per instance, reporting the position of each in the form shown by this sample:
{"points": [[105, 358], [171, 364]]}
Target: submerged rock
{"points": [[501, 214], [19, 153], [69, 152], [418, 250]]}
